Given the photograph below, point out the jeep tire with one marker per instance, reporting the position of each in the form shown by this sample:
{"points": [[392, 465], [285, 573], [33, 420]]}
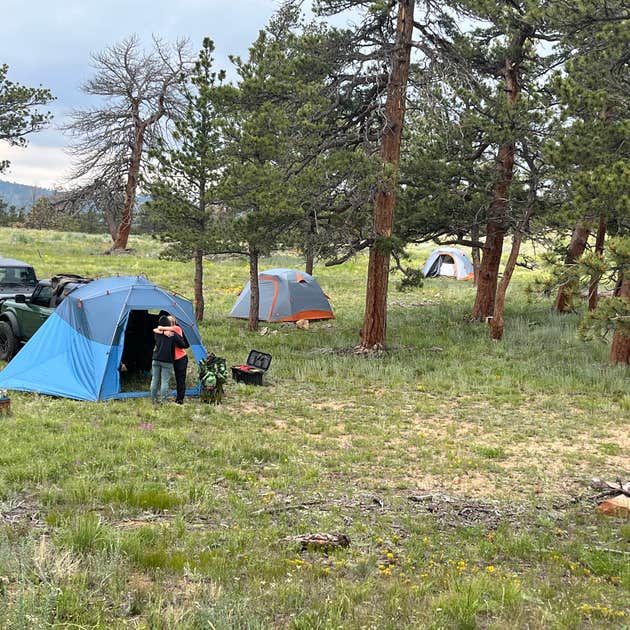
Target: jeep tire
{"points": [[8, 342]]}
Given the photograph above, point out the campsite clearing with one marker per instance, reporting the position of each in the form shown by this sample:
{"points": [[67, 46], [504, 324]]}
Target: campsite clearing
{"points": [[459, 476]]}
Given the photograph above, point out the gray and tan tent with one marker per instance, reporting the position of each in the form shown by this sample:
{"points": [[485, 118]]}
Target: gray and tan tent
{"points": [[448, 262], [286, 295]]}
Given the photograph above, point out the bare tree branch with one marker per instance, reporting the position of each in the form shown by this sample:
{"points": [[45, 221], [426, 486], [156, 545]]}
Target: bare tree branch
{"points": [[141, 92]]}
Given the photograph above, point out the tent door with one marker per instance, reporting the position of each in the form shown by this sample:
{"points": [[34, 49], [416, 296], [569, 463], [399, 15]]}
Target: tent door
{"points": [[139, 341], [444, 265]]}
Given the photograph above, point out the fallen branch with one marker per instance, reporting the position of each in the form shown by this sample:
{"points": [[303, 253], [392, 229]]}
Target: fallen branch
{"points": [[619, 551], [277, 509], [420, 498], [611, 488], [321, 542]]}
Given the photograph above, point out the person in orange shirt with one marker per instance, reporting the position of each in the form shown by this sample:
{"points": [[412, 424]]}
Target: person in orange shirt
{"points": [[180, 359]]}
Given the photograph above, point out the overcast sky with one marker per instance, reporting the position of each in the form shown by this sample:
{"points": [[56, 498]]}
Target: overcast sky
{"points": [[48, 43]]}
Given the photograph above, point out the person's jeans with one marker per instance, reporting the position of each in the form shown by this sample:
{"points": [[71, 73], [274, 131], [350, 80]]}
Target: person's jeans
{"points": [[161, 373]]}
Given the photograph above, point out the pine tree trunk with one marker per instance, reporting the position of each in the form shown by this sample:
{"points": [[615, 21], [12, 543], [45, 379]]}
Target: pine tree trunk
{"points": [[496, 323], [373, 332], [131, 187], [496, 230], [620, 348], [254, 301], [310, 262], [310, 247], [489, 271], [199, 301], [476, 254], [600, 239], [198, 252], [575, 250]]}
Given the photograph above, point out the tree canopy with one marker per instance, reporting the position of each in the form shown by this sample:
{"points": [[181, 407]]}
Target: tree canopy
{"points": [[19, 113]]}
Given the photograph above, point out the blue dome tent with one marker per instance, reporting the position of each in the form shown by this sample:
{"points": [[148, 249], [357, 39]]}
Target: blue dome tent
{"points": [[79, 350]]}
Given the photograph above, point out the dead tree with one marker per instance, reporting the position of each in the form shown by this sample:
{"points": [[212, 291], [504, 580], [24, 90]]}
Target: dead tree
{"points": [[141, 92]]}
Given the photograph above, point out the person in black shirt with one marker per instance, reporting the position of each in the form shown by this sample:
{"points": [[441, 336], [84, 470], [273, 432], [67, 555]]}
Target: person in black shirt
{"points": [[180, 358], [162, 365]]}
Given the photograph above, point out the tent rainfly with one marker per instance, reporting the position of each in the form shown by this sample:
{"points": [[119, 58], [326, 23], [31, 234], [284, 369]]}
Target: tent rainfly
{"points": [[79, 350], [450, 263], [286, 295]]}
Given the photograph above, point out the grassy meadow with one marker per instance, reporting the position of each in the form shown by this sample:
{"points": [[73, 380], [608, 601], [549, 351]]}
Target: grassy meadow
{"points": [[458, 467]]}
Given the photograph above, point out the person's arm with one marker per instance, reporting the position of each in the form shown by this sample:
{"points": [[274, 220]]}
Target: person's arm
{"points": [[168, 331], [178, 336], [161, 331], [179, 340]]}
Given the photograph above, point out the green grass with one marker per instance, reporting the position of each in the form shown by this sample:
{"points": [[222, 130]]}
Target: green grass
{"points": [[458, 467]]}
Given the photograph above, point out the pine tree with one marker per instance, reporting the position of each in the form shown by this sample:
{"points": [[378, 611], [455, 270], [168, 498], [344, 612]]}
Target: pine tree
{"points": [[184, 204], [377, 82], [590, 149], [612, 315], [19, 115], [258, 130], [289, 178]]}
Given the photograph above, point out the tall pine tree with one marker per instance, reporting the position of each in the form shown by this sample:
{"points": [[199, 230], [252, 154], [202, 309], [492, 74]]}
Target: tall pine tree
{"points": [[184, 204]]}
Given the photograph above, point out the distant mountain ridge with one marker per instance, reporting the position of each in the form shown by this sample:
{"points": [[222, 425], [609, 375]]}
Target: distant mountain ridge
{"points": [[22, 195]]}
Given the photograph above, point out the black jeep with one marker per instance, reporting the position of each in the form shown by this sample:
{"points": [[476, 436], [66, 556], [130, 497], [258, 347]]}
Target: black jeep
{"points": [[16, 277]]}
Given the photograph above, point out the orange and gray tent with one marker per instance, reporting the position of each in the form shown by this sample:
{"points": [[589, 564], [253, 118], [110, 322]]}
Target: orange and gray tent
{"points": [[450, 263], [286, 295]]}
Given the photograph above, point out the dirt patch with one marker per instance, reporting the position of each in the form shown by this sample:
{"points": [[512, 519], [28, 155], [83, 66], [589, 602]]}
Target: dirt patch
{"points": [[280, 423], [616, 435], [139, 582], [469, 483], [344, 442], [333, 405], [21, 510], [246, 406], [557, 455]]}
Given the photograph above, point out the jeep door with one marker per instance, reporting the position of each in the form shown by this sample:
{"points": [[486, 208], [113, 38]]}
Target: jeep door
{"points": [[36, 310]]}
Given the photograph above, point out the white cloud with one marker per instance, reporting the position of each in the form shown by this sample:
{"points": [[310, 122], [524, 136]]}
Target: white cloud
{"points": [[42, 166]]}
